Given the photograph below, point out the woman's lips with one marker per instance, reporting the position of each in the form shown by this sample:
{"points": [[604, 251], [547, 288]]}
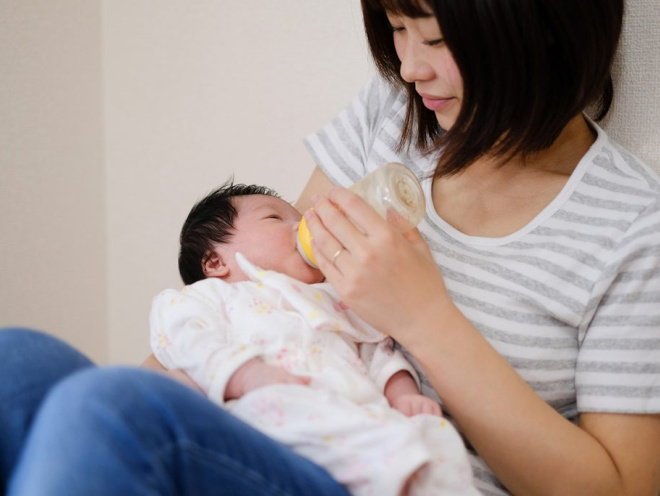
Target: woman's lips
{"points": [[435, 103]]}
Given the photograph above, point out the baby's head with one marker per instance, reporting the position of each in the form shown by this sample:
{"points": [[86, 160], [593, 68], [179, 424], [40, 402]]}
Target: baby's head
{"points": [[249, 219]]}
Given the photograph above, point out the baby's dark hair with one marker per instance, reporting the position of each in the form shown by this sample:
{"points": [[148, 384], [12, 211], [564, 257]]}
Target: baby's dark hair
{"points": [[211, 221]]}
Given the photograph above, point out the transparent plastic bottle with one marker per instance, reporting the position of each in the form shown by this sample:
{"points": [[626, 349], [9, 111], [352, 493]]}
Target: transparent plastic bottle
{"points": [[392, 190]]}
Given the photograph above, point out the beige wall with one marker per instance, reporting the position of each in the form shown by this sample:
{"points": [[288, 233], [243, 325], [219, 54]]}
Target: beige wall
{"points": [[635, 117], [116, 115], [195, 92], [52, 211]]}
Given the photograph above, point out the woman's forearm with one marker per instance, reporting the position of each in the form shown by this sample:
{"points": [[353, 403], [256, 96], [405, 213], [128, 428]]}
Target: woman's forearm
{"points": [[317, 183], [151, 362], [529, 446]]}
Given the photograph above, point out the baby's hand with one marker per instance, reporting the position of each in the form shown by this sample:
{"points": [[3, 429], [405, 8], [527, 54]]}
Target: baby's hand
{"points": [[416, 404], [255, 374]]}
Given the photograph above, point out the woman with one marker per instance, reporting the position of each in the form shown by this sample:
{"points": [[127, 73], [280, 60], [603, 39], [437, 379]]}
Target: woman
{"points": [[539, 335], [540, 329]]}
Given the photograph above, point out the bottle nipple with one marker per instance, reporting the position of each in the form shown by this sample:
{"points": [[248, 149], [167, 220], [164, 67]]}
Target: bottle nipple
{"points": [[304, 243]]}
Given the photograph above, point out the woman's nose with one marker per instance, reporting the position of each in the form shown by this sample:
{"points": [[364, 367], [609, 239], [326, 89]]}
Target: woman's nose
{"points": [[414, 66]]}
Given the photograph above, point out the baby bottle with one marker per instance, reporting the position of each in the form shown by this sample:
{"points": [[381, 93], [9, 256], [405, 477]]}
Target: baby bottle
{"points": [[392, 190]]}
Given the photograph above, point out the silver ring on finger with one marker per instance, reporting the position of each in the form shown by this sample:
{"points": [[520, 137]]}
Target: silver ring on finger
{"points": [[335, 256]]}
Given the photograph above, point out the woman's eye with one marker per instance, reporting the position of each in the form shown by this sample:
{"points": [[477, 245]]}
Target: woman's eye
{"points": [[274, 216], [397, 29], [435, 42]]}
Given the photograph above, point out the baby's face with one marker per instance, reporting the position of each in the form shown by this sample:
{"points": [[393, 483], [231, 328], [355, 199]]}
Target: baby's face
{"points": [[265, 231]]}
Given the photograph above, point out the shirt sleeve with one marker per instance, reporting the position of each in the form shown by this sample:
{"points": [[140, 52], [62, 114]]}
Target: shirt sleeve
{"points": [[383, 361], [342, 148], [190, 331], [618, 365]]}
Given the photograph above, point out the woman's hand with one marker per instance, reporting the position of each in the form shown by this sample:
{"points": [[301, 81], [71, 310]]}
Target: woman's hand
{"points": [[390, 279]]}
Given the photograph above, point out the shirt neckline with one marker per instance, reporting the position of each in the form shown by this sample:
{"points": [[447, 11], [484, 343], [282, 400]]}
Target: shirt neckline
{"points": [[542, 216]]}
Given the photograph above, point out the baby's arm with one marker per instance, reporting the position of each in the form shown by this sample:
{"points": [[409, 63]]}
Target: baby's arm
{"points": [[402, 394], [254, 374], [191, 333], [397, 378]]}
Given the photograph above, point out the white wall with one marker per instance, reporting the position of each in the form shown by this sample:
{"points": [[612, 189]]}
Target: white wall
{"points": [[116, 115], [52, 212]]}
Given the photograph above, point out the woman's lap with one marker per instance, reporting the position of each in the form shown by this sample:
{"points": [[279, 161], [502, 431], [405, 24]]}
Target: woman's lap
{"points": [[130, 431]]}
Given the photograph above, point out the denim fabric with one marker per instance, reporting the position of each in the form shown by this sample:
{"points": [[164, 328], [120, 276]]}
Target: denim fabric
{"points": [[30, 364], [126, 431]]}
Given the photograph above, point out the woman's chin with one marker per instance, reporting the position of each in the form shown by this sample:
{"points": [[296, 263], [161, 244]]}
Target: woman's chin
{"points": [[445, 120]]}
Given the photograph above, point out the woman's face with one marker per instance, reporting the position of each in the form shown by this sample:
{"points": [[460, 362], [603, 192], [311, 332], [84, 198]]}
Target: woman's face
{"points": [[427, 62]]}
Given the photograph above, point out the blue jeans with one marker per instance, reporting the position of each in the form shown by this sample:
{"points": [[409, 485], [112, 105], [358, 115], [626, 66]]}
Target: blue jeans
{"points": [[70, 428]]}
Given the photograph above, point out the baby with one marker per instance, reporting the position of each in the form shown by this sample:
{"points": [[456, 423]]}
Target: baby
{"points": [[263, 336]]}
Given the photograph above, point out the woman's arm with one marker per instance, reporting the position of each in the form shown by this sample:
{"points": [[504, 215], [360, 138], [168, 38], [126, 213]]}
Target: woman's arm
{"points": [[177, 374], [530, 447], [318, 183]]}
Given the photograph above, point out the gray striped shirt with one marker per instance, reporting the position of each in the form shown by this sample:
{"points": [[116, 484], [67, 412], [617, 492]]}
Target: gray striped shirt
{"points": [[571, 300]]}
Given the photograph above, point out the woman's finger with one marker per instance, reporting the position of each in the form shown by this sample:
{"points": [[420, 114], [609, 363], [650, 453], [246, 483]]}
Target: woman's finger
{"points": [[358, 211], [323, 243], [336, 221], [414, 237]]}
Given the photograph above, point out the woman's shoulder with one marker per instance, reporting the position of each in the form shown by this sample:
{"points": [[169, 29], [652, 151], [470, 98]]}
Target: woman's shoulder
{"points": [[379, 92], [619, 194], [363, 135], [380, 106], [631, 173]]}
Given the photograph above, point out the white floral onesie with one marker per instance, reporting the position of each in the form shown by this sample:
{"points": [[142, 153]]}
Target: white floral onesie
{"points": [[342, 420]]}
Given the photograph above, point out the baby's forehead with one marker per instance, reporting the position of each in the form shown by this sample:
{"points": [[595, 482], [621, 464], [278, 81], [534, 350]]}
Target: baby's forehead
{"points": [[252, 203]]}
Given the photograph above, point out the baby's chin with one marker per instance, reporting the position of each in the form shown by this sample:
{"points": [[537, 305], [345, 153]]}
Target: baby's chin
{"points": [[314, 276], [308, 274]]}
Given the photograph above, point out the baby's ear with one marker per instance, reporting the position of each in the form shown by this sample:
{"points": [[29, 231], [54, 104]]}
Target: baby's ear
{"points": [[213, 265]]}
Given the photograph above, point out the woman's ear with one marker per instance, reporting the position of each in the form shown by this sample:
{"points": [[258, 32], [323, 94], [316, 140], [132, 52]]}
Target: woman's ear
{"points": [[213, 265]]}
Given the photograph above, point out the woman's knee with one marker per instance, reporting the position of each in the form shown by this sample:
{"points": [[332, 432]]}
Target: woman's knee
{"points": [[31, 364], [24, 336], [114, 434], [116, 388], [28, 351], [103, 400]]}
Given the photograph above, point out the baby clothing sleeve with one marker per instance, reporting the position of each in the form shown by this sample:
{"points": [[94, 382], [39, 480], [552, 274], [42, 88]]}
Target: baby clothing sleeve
{"points": [[190, 331], [383, 361]]}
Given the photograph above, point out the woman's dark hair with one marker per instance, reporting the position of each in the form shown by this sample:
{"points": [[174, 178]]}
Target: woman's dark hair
{"points": [[528, 68], [211, 221]]}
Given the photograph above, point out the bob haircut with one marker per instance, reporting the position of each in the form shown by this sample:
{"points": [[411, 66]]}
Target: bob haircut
{"points": [[528, 68]]}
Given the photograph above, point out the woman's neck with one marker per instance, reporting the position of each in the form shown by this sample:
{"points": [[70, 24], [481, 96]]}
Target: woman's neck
{"points": [[561, 157], [492, 199]]}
